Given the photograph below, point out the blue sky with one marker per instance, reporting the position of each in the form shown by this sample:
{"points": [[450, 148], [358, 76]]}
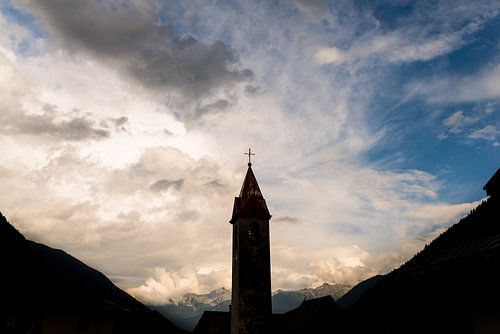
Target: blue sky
{"points": [[124, 123], [418, 128]]}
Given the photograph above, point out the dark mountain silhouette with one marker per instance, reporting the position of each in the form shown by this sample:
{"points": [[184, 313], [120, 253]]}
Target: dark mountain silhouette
{"points": [[47, 290], [451, 286], [357, 291], [284, 301], [319, 315], [214, 322]]}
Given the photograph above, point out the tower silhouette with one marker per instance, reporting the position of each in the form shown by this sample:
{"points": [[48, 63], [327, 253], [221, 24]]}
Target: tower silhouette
{"points": [[251, 281]]}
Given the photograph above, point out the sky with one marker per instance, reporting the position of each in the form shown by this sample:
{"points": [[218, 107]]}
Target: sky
{"points": [[123, 128]]}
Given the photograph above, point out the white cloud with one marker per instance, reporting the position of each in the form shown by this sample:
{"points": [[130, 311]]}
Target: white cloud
{"points": [[169, 287], [460, 123], [411, 40], [330, 55], [396, 47], [457, 121], [315, 8], [481, 86], [135, 40], [489, 132]]}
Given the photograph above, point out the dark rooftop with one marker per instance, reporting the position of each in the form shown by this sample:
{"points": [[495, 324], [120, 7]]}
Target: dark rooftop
{"points": [[250, 202], [492, 187]]}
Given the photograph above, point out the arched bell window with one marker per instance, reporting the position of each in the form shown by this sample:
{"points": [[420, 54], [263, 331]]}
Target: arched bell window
{"points": [[253, 232]]}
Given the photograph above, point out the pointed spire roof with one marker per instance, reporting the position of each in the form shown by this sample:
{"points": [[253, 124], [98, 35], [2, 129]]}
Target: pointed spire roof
{"points": [[250, 187], [250, 203]]}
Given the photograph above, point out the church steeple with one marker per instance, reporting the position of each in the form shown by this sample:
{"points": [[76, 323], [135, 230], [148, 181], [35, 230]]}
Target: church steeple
{"points": [[251, 291], [250, 202]]}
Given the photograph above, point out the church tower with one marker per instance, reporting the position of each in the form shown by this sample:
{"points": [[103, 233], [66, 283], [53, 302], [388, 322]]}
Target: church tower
{"points": [[251, 292]]}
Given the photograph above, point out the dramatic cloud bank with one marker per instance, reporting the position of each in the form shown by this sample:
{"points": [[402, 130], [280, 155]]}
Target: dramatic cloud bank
{"points": [[123, 126]]}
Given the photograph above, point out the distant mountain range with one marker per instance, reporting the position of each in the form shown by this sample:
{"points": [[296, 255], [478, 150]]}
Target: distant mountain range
{"points": [[284, 301], [188, 311]]}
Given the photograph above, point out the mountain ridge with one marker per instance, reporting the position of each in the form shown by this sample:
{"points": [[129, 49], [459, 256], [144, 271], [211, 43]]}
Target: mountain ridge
{"points": [[190, 308], [49, 288], [425, 294]]}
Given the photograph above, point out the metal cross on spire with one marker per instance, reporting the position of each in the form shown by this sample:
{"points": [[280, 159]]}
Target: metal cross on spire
{"points": [[249, 157]]}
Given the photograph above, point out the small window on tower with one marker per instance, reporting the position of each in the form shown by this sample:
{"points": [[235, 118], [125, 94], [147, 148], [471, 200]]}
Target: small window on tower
{"points": [[253, 232]]}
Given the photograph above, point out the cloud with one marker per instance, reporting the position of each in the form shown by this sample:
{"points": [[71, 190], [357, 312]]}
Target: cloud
{"points": [[119, 123], [215, 183], [254, 90], [330, 56], [162, 185], [460, 123], [457, 121], [166, 287], [22, 113], [343, 264], [329, 270], [165, 230], [395, 47], [481, 86], [217, 106], [48, 124], [411, 40], [314, 8], [169, 287], [489, 132], [135, 37], [161, 168], [286, 219], [71, 189]]}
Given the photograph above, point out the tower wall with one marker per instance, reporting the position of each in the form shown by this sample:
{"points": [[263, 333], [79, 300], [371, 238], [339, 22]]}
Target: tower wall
{"points": [[251, 281]]}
